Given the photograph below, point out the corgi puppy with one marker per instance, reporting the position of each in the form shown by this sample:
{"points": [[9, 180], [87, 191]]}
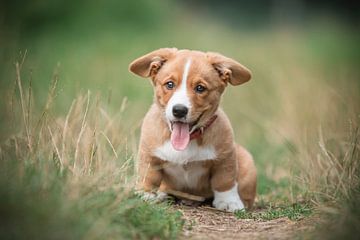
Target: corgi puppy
{"points": [[187, 142]]}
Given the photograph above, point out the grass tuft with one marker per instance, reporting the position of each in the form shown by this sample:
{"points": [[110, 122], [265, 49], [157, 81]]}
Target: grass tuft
{"points": [[73, 177], [293, 212]]}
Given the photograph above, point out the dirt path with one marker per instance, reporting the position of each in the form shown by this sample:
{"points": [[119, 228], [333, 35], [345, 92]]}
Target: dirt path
{"points": [[208, 223]]}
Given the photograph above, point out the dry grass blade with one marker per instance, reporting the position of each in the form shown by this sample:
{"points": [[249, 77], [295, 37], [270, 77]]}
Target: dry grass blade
{"points": [[111, 145], [50, 98], [29, 100], [83, 125], [51, 94], [126, 164], [56, 149], [123, 104], [23, 58], [22, 101], [92, 150], [65, 130]]}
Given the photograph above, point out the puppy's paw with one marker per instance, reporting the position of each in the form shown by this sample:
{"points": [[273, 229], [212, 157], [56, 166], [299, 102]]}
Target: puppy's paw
{"points": [[152, 197], [162, 196], [228, 200], [229, 206], [148, 196]]}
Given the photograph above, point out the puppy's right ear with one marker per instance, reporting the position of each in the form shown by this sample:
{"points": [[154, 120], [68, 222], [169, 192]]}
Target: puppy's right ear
{"points": [[149, 64]]}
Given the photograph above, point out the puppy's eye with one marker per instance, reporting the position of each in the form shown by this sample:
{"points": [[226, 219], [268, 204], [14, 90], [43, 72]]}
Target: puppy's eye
{"points": [[170, 85], [200, 89]]}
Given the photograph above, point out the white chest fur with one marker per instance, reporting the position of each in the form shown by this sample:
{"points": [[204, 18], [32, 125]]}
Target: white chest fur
{"points": [[192, 153], [184, 177]]}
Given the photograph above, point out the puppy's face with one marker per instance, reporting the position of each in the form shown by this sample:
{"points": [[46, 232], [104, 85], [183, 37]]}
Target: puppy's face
{"points": [[188, 86]]}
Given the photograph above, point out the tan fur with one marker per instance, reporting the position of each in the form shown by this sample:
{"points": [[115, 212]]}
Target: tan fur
{"points": [[233, 163]]}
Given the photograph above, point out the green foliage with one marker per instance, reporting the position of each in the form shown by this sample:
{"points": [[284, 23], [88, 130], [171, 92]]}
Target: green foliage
{"points": [[344, 223], [294, 212], [154, 221], [36, 205]]}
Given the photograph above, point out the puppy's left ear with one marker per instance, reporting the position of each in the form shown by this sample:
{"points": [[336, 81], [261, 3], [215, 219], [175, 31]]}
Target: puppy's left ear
{"points": [[149, 64], [229, 70]]}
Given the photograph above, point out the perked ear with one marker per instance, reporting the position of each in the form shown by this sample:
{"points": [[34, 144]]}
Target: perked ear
{"points": [[229, 70], [149, 64]]}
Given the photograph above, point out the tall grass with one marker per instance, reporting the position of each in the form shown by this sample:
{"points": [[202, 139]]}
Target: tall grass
{"points": [[321, 120], [336, 184], [71, 176], [330, 175]]}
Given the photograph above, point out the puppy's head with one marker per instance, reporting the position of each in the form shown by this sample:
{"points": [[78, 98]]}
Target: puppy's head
{"points": [[188, 86]]}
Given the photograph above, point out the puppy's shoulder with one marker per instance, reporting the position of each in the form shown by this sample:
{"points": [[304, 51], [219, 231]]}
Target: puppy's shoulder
{"points": [[223, 119], [222, 125]]}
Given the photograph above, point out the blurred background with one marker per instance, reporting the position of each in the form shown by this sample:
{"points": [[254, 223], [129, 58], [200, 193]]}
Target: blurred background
{"points": [[93, 42]]}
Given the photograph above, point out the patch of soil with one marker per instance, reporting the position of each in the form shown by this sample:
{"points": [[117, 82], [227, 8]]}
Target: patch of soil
{"points": [[205, 222]]}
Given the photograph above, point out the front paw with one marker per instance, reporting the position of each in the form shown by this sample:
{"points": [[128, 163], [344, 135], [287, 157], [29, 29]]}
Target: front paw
{"points": [[228, 200], [228, 205], [152, 196]]}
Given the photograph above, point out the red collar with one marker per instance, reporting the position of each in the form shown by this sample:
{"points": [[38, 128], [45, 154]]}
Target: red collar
{"points": [[199, 131]]}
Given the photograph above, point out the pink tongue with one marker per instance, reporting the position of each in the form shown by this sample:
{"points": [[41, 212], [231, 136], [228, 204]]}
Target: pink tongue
{"points": [[180, 136]]}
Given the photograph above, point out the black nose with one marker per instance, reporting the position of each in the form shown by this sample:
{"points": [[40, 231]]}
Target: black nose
{"points": [[179, 111]]}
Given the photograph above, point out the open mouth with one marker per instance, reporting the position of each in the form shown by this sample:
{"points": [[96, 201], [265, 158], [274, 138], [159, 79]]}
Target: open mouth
{"points": [[191, 125], [180, 133]]}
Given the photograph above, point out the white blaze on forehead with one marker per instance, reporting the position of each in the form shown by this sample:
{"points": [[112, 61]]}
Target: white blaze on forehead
{"points": [[185, 75], [180, 96]]}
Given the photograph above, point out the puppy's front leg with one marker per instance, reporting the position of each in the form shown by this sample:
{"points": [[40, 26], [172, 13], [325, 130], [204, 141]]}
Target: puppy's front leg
{"points": [[150, 177], [225, 187]]}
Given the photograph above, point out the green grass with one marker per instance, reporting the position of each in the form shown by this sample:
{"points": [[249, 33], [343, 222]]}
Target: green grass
{"points": [[343, 223], [294, 212], [38, 207]]}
